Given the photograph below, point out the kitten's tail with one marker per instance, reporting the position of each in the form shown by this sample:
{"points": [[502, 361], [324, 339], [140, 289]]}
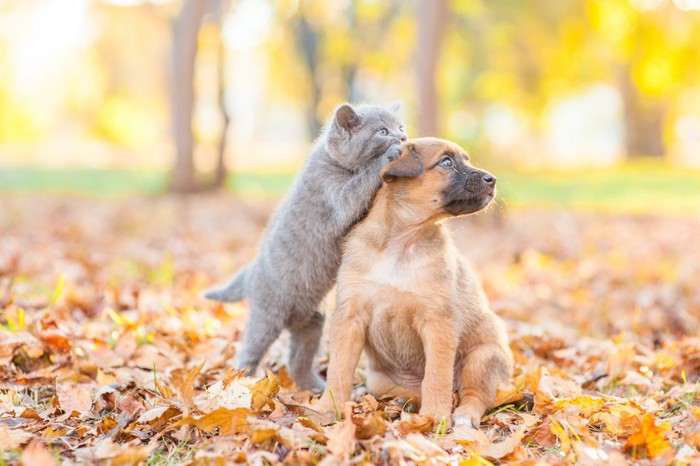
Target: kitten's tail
{"points": [[234, 291]]}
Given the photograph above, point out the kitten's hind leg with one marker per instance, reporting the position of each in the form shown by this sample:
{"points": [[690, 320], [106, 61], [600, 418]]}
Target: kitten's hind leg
{"points": [[306, 336], [264, 326]]}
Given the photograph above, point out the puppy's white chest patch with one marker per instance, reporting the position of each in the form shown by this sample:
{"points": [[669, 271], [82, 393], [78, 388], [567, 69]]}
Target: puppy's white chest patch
{"points": [[402, 270]]}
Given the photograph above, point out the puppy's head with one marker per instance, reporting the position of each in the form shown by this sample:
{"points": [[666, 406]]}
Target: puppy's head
{"points": [[434, 176]]}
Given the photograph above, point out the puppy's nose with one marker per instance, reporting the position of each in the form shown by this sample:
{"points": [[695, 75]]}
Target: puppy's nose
{"points": [[489, 179]]}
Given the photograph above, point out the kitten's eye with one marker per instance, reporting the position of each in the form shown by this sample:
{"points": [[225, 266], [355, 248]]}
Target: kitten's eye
{"points": [[401, 128], [446, 163], [384, 132]]}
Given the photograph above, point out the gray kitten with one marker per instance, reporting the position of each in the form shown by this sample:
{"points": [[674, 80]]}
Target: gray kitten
{"points": [[300, 253]]}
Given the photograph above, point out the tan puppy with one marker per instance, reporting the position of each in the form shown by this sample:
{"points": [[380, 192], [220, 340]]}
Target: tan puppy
{"points": [[406, 296]]}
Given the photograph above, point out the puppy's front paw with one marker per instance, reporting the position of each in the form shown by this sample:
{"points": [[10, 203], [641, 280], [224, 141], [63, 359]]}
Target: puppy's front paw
{"points": [[468, 414]]}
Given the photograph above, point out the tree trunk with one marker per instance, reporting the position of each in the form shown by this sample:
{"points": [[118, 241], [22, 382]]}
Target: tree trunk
{"points": [[184, 50], [431, 22], [307, 41], [643, 120], [220, 173]]}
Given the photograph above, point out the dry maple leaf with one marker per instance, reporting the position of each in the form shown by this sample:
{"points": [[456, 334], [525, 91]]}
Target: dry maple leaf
{"points": [[369, 425], [35, 454], [73, 399], [263, 391], [228, 421], [415, 423], [341, 438], [185, 386], [650, 440]]}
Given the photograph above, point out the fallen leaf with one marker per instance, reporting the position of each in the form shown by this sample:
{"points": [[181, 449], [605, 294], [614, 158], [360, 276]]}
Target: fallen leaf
{"points": [[411, 422], [650, 440], [228, 421], [341, 437], [185, 386], [73, 399], [369, 425], [35, 454], [505, 447], [263, 391]]}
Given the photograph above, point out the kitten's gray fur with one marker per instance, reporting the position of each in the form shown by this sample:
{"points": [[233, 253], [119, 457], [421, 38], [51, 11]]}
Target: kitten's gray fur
{"points": [[300, 253]]}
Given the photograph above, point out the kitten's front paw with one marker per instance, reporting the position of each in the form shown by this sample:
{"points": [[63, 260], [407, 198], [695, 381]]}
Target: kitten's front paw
{"points": [[395, 152]]}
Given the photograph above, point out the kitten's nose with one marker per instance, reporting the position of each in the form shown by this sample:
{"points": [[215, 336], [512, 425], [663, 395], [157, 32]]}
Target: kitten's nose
{"points": [[402, 137]]}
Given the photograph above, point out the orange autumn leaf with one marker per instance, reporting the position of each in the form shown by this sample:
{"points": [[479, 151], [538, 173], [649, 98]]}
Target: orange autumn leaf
{"points": [[228, 421], [263, 391], [650, 440], [588, 405], [185, 386]]}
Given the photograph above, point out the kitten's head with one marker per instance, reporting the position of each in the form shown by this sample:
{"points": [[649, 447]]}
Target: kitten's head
{"points": [[358, 134]]}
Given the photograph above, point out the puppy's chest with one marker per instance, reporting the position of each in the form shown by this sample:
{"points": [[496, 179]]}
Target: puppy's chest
{"points": [[407, 270]]}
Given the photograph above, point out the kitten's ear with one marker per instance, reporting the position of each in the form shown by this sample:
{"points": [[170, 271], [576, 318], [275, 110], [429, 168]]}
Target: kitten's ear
{"points": [[346, 118], [408, 165], [393, 108]]}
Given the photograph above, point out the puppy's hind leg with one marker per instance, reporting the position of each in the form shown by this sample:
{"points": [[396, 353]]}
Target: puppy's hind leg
{"points": [[483, 369], [306, 336], [264, 326]]}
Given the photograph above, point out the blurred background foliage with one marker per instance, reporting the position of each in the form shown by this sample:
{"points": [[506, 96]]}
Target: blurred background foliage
{"points": [[187, 90]]}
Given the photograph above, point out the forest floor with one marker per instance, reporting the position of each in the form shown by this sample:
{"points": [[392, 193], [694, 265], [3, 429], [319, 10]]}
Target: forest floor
{"points": [[108, 354]]}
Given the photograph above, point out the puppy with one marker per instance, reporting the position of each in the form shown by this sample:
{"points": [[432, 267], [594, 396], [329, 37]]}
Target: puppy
{"points": [[406, 296]]}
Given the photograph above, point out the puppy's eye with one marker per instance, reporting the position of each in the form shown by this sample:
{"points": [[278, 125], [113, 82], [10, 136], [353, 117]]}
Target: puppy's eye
{"points": [[384, 132], [446, 163]]}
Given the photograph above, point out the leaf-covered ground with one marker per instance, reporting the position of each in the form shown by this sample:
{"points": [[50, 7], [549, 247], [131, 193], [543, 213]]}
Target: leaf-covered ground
{"points": [[108, 354]]}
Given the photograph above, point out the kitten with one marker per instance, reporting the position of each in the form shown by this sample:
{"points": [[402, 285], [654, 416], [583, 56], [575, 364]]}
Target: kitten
{"points": [[299, 254]]}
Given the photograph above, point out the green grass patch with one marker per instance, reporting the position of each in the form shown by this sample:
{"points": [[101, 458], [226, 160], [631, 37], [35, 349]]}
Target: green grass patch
{"points": [[639, 186]]}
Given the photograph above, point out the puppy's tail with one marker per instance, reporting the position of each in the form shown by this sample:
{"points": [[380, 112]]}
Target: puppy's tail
{"points": [[234, 291]]}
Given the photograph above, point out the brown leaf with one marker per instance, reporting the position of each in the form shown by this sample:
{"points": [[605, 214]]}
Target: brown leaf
{"points": [[106, 425], [541, 436], [73, 399], [54, 432], [415, 423], [306, 422], [341, 438], [228, 421], [185, 385], [507, 394], [35, 454], [263, 391], [131, 456], [505, 447], [369, 425]]}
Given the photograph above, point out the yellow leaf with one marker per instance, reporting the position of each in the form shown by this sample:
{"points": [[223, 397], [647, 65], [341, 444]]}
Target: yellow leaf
{"points": [[507, 394], [228, 421], [587, 404], [263, 391], [564, 439], [650, 440], [185, 386]]}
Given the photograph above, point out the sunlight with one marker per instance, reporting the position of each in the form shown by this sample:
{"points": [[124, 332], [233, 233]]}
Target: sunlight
{"points": [[53, 32]]}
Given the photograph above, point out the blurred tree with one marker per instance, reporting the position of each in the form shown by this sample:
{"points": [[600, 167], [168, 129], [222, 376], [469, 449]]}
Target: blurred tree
{"points": [[431, 17], [185, 34], [338, 42]]}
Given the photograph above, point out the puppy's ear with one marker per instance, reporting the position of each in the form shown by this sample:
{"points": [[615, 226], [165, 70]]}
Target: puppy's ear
{"points": [[346, 118], [408, 165], [393, 108]]}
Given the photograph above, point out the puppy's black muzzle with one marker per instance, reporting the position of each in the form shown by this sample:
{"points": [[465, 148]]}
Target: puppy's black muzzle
{"points": [[469, 191]]}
